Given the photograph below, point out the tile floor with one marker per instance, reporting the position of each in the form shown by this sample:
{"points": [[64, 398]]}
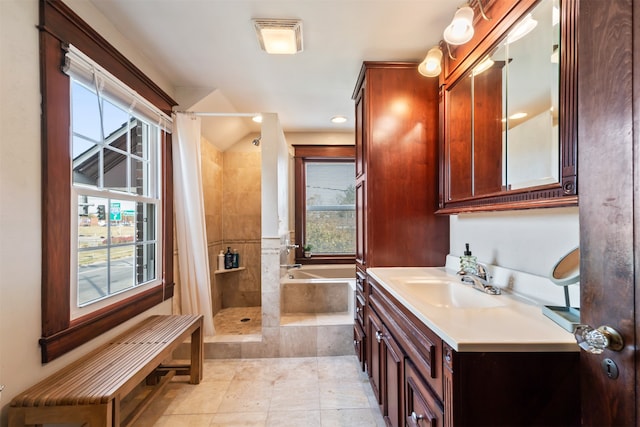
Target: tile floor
{"points": [[300, 392], [238, 321]]}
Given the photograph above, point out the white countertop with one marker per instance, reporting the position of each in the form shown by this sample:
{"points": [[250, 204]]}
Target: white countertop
{"points": [[470, 320]]}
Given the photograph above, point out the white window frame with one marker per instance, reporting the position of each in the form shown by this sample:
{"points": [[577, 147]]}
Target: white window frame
{"points": [[87, 73]]}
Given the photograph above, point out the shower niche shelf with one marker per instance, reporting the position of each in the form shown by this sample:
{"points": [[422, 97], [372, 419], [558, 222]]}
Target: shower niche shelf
{"points": [[228, 270]]}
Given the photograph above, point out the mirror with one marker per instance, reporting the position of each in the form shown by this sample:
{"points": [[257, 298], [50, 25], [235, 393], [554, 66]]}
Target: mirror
{"points": [[502, 117], [567, 270], [531, 56]]}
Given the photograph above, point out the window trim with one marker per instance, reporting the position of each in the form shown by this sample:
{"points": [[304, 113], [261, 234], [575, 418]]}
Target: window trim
{"points": [[59, 26], [315, 153]]}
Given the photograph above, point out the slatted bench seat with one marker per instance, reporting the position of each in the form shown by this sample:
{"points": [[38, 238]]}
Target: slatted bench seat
{"points": [[90, 390]]}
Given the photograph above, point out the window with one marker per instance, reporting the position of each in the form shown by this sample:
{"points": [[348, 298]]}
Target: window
{"points": [[325, 202], [115, 182], [107, 207]]}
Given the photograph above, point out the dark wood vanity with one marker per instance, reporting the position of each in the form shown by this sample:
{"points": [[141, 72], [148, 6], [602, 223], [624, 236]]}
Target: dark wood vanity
{"points": [[485, 158], [420, 380]]}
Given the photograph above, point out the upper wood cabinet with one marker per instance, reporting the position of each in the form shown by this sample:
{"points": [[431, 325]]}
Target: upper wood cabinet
{"points": [[507, 105], [397, 168]]}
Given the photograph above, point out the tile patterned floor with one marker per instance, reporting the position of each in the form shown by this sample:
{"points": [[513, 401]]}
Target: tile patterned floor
{"points": [[300, 392], [238, 321]]}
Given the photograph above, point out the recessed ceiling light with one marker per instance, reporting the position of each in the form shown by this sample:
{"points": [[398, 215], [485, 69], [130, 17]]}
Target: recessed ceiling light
{"points": [[279, 36], [257, 118], [338, 119]]}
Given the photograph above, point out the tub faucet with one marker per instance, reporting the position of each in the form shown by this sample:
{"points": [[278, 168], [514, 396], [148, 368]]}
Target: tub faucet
{"points": [[480, 281], [290, 266]]}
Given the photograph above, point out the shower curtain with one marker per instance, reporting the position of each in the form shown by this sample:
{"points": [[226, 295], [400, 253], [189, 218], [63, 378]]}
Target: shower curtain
{"points": [[191, 236]]}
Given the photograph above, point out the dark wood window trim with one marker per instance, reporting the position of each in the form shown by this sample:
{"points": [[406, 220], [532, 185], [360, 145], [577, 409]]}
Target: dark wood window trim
{"points": [[304, 153], [58, 27]]}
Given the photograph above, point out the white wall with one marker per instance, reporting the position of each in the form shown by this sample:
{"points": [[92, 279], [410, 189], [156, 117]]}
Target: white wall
{"points": [[320, 138], [20, 193], [531, 241]]}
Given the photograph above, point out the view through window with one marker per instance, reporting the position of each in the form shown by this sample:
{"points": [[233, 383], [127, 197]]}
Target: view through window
{"points": [[330, 226], [115, 182]]}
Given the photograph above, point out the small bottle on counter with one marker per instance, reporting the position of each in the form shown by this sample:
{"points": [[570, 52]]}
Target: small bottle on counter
{"points": [[236, 259], [228, 259], [221, 260], [468, 263]]}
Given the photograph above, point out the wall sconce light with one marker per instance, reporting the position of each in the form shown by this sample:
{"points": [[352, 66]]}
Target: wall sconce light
{"points": [[460, 30], [431, 66]]}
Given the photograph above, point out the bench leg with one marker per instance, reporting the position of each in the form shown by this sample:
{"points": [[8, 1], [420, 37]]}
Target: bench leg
{"points": [[196, 355]]}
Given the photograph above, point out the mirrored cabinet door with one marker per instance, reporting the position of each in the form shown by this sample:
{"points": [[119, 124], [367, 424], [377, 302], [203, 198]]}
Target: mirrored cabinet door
{"points": [[531, 53], [502, 118]]}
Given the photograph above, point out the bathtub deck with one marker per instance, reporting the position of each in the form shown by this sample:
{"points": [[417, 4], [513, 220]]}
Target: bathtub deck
{"points": [[316, 319]]}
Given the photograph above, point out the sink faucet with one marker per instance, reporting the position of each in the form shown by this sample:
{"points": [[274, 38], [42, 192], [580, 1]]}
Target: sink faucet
{"points": [[480, 281]]}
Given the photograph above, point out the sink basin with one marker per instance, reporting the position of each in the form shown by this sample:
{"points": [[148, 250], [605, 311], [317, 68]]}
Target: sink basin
{"points": [[447, 294]]}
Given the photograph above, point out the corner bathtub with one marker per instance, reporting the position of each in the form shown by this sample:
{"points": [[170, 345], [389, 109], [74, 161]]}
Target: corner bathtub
{"points": [[318, 289]]}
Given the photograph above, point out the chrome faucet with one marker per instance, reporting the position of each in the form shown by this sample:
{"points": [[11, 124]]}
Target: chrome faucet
{"points": [[480, 281], [290, 266]]}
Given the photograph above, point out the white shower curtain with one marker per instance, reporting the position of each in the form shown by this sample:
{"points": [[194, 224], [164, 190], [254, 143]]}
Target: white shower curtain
{"points": [[191, 235]]}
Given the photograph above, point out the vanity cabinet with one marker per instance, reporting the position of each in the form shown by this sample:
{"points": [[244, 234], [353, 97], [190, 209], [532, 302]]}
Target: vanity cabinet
{"points": [[420, 380], [397, 169], [398, 338]]}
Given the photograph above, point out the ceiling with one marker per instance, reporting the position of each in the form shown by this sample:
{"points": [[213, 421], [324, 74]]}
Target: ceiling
{"points": [[208, 50]]}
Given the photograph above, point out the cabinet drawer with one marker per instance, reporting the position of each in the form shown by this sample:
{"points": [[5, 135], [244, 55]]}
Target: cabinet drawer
{"points": [[359, 308], [361, 281], [422, 407]]}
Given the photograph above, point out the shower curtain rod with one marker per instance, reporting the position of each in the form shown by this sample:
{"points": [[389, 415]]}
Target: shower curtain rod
{"points": [[212, 114]]}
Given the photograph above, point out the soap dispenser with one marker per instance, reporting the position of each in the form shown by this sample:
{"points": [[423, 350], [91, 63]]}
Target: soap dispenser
{"points": [[468, 263], [236, 259], [228, 259]]}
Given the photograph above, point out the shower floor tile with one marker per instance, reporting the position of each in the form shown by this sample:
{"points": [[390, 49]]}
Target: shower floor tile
{"points": [[238, 321]]}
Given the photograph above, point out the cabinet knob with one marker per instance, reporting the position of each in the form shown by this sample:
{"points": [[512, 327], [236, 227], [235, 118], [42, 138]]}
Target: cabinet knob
{"points": [[379, 336], [595, 341], [415, 417]]}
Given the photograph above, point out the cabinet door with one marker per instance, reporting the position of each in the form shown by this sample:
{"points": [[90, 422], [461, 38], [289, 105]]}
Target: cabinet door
{"points": [[359, 344], [360, 132], [393, 380], [422, 407], [361, 223], [374, 353]]}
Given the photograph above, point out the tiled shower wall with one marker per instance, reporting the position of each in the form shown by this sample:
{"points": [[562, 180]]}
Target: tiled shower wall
{"points": [[212, 179], [232, 197]]}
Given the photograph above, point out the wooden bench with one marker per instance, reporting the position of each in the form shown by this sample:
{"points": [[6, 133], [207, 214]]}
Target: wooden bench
{"points": [[91, 389]]}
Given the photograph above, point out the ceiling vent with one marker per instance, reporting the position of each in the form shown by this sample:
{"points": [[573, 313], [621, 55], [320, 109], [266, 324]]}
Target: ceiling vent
{"points": [[279, 36]]}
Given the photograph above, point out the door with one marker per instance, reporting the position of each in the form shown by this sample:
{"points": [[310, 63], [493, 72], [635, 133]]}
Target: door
{"points": [[608, 162]]}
